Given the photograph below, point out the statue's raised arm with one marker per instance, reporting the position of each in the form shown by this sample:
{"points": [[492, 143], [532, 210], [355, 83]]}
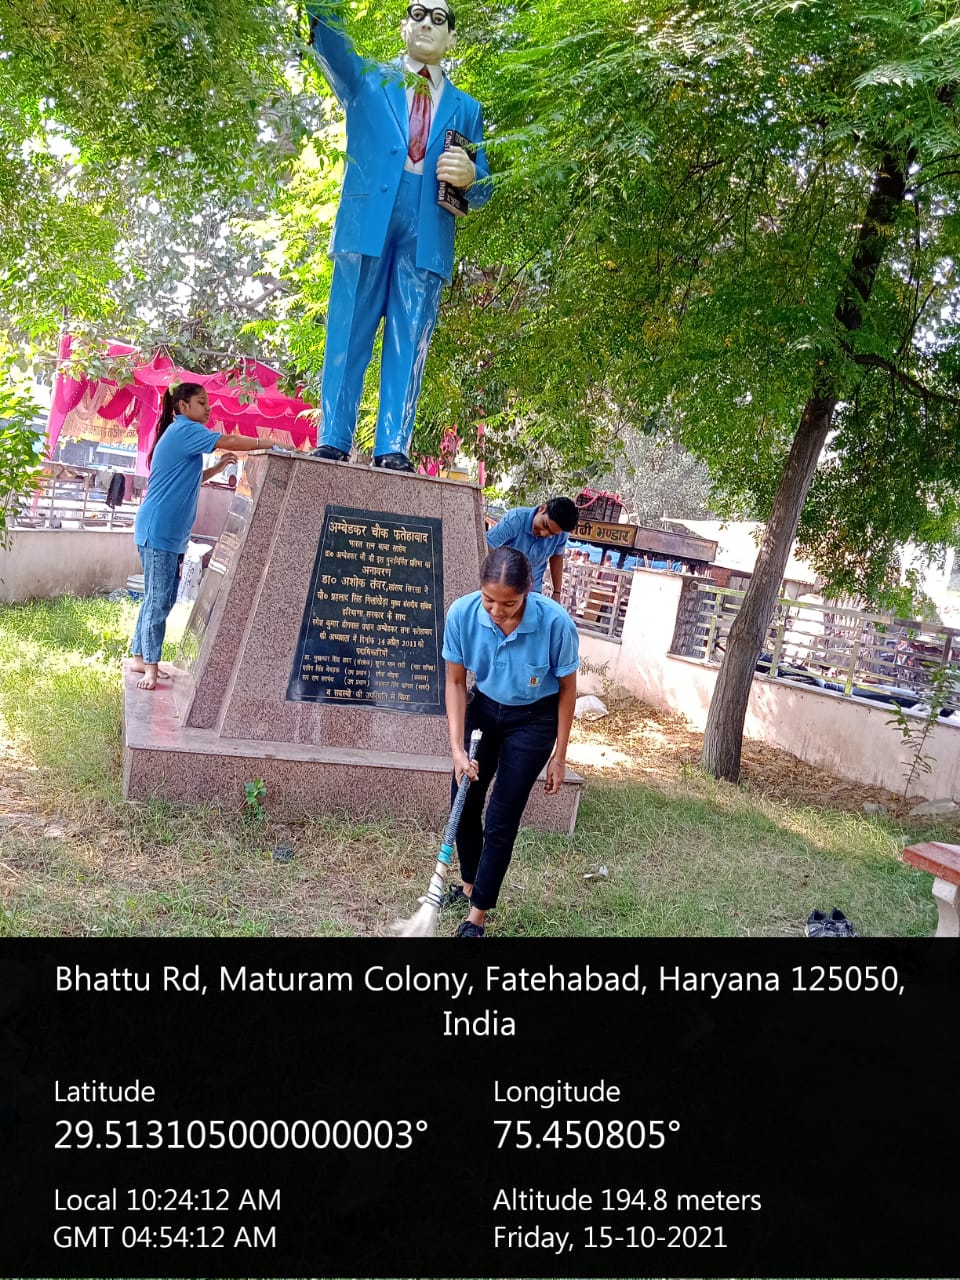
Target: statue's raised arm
{"points": [[411, 137]]}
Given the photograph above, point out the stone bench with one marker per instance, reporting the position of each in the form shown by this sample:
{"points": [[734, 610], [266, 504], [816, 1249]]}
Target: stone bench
{"points": [[943, 862]]}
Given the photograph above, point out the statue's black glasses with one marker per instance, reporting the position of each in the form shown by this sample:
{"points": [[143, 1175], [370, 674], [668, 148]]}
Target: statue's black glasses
{"points": [[417, 13]]}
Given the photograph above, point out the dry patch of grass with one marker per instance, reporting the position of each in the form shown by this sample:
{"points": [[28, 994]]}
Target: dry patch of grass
{"points": [[640, 743]]}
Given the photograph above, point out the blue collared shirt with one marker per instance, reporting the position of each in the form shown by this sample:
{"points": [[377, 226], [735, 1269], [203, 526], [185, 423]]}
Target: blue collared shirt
{"points": [[516, 530], [518, 668]]}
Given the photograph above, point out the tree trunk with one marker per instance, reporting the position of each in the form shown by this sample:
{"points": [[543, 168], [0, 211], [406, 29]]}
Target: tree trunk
{"points": [[723, 736]]}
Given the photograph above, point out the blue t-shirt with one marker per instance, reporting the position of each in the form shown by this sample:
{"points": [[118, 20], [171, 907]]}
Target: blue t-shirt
{"points": [[169, 508], [518, 668], [516, 530]]}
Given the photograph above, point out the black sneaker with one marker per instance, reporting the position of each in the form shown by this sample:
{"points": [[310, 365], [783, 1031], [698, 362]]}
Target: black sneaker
{"points": [[470, 930], [330, 453], [455, 897], [834, 925]]}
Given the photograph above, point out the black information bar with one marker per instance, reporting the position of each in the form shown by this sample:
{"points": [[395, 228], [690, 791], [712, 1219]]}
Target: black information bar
{"points": [[564, 1108]]}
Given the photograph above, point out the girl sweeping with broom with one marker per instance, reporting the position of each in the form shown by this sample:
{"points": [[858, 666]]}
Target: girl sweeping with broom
{"points": [[523, 650]]}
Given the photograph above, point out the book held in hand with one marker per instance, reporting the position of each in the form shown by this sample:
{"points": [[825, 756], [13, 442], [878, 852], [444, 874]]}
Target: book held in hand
{"points": [[449, 197]]}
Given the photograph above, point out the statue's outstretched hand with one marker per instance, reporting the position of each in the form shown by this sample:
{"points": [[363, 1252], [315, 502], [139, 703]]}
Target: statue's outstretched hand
{"points": [[456, 166]]}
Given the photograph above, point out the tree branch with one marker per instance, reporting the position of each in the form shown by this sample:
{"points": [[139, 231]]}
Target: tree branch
{"points": [[925, 393]]}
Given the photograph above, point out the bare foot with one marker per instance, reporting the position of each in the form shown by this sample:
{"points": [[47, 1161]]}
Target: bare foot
{"points": [[151, 675], [138, 664]]}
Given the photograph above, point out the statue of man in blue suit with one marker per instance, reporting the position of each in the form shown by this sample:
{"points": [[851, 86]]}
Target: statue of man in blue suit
{"points": [[392, 245]]}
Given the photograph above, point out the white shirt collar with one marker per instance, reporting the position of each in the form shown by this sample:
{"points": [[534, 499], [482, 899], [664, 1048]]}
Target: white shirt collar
{"points": [[433, 71]]}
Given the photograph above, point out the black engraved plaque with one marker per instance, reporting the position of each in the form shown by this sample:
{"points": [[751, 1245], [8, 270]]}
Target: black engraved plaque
{"points": [[370, 634]]}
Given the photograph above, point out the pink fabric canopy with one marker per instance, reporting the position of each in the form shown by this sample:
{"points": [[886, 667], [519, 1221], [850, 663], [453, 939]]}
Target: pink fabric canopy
{"points": [[244, 401]]}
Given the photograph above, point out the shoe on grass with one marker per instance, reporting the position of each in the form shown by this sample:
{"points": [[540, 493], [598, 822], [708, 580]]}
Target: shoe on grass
{"points": [[455, 897], [834, 925], [470, 930]]}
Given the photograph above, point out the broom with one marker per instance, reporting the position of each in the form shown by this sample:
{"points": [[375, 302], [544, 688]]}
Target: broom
{"points": [[423, 923]]}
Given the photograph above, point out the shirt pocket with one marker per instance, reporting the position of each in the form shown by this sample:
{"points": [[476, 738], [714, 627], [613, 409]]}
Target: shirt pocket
{"points": [[534, 677]]}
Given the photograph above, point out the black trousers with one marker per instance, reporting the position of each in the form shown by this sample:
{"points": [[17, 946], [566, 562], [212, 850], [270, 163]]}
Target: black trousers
{"points": [[517, 742]]}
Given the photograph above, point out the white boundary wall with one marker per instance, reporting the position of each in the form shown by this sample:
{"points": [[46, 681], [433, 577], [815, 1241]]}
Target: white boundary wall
{"points": [[848, 738], [40, 564]]}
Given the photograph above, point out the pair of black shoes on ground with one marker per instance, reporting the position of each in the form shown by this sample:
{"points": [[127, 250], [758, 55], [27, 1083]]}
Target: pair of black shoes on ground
{"points": [[834, 925], [389, 461]]}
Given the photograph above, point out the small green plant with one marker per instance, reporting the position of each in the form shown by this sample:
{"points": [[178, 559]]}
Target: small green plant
{"points": [[254, 800], [602, 672], [915, 732], [20, 447]]}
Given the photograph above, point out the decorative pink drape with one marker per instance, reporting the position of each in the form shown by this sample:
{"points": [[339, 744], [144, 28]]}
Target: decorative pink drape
{"points": [[236, 406]]}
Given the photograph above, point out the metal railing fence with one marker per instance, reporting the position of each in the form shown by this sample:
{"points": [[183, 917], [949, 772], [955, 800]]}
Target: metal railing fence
{"points": [[71, 502], [832, 646], [596, 597]]}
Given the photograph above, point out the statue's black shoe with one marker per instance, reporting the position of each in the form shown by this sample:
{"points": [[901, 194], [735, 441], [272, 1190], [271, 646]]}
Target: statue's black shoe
{"points": [[330, 453], [394, 462]]}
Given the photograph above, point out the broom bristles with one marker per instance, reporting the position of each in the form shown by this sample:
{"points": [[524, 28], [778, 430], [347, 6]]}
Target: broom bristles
{"points": [[422, 924]]}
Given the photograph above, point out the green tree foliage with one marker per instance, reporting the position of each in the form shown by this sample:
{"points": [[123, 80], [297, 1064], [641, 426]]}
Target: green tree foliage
{"points": [[19, 463], [699, 180], [658, 479], [133, 140], [198, 285], [104, 103]]}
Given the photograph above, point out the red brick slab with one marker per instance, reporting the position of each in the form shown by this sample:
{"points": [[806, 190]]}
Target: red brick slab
{"points": [[941, 860]]}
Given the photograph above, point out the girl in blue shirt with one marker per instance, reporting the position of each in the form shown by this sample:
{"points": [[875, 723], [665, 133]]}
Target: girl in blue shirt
{"points": [[167, 513], [524, 652]]}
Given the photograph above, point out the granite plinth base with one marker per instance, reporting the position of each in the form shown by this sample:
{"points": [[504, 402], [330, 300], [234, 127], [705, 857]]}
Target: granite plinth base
{"points": [[164, 759], [242, 641]]}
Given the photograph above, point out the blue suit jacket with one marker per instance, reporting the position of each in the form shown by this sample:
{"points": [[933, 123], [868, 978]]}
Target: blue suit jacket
{"points": [[375, 100]]}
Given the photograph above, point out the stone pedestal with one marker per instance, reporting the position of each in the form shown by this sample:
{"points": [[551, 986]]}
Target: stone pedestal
{"points": [[320, 562]]}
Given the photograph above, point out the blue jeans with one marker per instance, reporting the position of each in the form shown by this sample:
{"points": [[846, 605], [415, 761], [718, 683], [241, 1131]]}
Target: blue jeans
{"points": [[365, 290], [161, 578], [517, 742]]}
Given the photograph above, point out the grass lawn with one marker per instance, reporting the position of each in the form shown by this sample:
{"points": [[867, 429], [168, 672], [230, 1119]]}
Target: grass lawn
{"points": [[685, 855]]}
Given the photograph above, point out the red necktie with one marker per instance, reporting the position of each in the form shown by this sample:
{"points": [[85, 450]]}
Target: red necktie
{"points": [[421, 114]]}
